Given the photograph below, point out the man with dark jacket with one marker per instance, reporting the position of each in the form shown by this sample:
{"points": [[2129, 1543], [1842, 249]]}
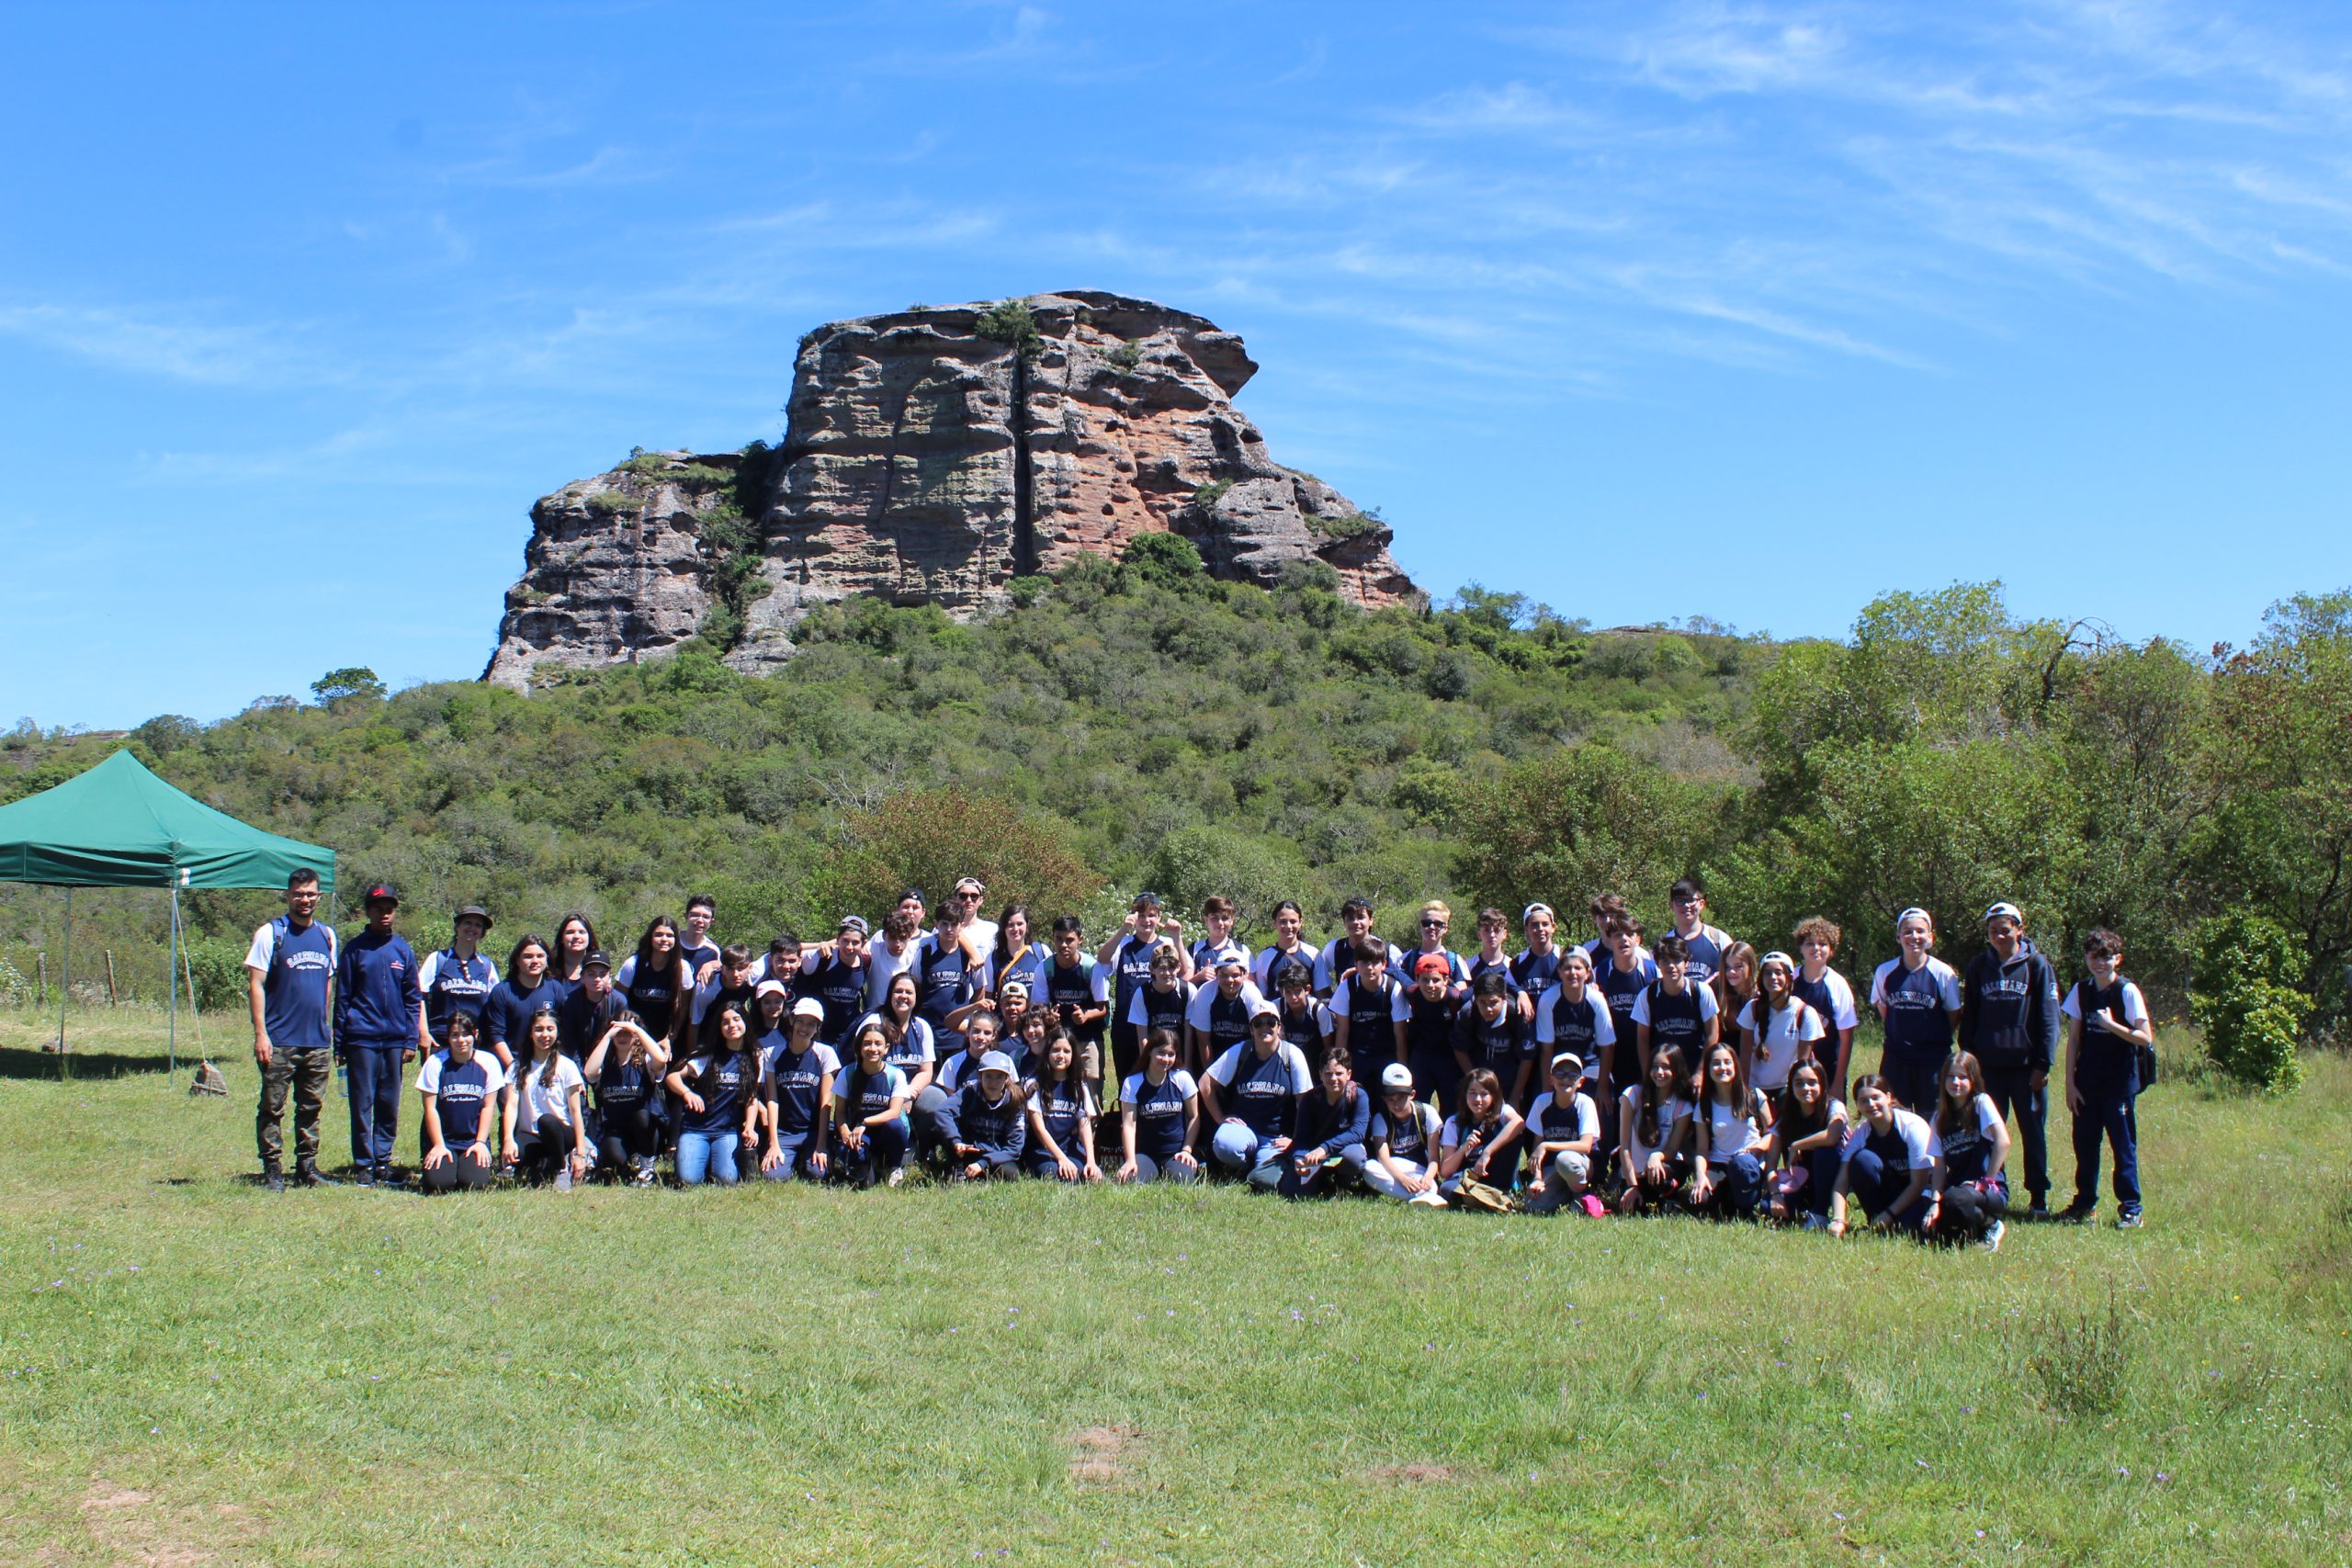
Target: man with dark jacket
{"points": [[2009, 1019], [379, 1025]]}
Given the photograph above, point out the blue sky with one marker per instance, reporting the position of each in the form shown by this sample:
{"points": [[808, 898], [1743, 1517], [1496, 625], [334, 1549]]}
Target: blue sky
{"points": [[1650, 310]]}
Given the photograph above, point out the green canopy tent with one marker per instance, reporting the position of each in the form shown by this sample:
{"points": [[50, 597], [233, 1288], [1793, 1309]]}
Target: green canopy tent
{"points": [[118, 825]]}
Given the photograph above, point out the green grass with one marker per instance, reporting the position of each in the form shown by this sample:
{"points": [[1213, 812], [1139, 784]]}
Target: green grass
{"points": [[190, 1366]]}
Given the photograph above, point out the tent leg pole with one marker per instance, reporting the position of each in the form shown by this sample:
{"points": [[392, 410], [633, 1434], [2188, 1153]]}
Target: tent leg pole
{"points": [[172, 986], [65, 972]]}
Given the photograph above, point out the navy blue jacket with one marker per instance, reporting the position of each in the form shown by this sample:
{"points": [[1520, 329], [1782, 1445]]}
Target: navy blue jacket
{"points": [[2008, 1012], [376, 999], [998, 1132], [1329, 1127]]}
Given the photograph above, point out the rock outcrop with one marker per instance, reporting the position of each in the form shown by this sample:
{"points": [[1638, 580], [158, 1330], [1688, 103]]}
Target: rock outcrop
{"points": [[934, 455]]}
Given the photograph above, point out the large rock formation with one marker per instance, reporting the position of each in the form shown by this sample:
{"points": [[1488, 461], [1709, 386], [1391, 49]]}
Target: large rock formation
{"points": [[934, 455]]}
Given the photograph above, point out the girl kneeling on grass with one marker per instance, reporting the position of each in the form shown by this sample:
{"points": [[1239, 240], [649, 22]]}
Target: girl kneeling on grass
{"points": [[1733, 1127], [547, 1122], [1654, 1134], [460, 1088], [1894, 1165], [625, 1067], [1808, 1146], [1061, 1112], [1975, 1138], [1159, 1115], [1480, 1142], [718, 1095], [870, 1102]]}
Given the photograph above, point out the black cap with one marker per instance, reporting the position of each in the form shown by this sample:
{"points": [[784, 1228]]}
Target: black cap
{"points": [[473, 911], [378, 893], [915, 894], [596, 959]]}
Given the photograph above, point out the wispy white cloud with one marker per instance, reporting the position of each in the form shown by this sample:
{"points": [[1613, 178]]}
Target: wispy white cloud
{"points": [[175, 344]]}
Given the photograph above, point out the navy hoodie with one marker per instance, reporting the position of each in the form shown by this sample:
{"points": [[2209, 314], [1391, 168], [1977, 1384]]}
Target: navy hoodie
{"points": [[2008, 1012], [376, 999], [1329, 1127], [998, 1131]]}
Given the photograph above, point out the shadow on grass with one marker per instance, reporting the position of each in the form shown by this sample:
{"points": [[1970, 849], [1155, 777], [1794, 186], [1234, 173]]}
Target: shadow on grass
{"points": [[17, 1063]]}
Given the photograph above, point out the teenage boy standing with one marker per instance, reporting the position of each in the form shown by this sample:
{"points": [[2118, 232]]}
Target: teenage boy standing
{"points": [[379, 1026], [2008, 1017]]}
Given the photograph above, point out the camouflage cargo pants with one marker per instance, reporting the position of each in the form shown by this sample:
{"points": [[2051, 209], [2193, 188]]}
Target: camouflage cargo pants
{"points": [[305, 1072]]}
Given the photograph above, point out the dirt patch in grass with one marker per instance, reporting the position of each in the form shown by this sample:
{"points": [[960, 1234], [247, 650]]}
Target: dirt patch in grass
{"points": [[127, 1525], [1104, 1456], [1414, 1474]]}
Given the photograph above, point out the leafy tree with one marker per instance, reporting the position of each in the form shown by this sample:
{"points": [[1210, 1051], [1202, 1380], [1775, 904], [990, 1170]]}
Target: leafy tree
{"points": [[2243, 995], [341, 685], [931, 838], [1171, 561]]}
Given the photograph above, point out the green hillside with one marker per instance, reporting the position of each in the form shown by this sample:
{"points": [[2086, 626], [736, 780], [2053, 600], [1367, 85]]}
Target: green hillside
{"points": [[1141, 724]]}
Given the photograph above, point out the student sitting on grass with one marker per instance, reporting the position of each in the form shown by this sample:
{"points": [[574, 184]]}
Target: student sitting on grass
{"points": [[985, 1127], [1251, 1095], [1975, 1138], [1403, 1143], [718, 1093], [1326, 1149], [625, 1066], [1894, 1165], [1480, 1142], [1061, 1110], [1808, 1146], [1732, 1127], [1160, 1116], [798, 1101], [1654, 1134], [461, 1090], [870, 1104], [1564, 1127], [2107, 1030], [547, 1122]]}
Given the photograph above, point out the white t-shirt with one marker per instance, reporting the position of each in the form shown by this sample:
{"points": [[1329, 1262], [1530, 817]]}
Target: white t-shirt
{"points": [[1708, 1006], [430, 969], [2135, 1005], [1302, 1077], [543, 1099], [883, 966], [1944, 978], [1650, 1133], [1452, 1135], [1197, 1013], [428, 1076], [1588, 1119], [1725, 1130], [1778, 1039], [1841, 999], [919, 1036], [1921, 1144]]}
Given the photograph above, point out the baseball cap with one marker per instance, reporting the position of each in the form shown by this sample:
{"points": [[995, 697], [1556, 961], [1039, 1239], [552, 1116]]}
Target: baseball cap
{"points": [[1397, 1075], [1570, 1060], [471, 911], [807, 1007], [1147, 898], [1431, 964], [2005, 910], [1535, 909], [996, 1062], [596, 959], [855, 923], [770, 988], [913, 893], [1264, 1010], [378, 893]]}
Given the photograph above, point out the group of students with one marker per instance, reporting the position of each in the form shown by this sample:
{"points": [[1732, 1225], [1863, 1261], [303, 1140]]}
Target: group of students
{"points": [[1692, 1074]]}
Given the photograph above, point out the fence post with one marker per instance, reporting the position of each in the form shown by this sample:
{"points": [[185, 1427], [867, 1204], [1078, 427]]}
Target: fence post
{"points": [[111, 997]]}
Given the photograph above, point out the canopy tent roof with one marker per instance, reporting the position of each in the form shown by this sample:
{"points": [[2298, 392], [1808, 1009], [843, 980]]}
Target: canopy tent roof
{"points": [[119, 826]]}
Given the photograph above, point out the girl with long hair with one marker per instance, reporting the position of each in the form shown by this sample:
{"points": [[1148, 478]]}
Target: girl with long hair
{"points": [[719, 1093]]}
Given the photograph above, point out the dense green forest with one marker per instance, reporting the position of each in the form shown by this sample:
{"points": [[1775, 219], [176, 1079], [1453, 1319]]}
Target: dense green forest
{"points": [[1141, 724]]}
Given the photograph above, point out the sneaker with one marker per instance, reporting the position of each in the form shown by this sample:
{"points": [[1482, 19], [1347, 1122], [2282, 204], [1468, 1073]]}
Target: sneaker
{"points": [[563, 1177], [644, 1175], [1992, 1238], [385, 1178], [2076, 1213], [1814, 1222], [2040, 1209], [1593, 1206], [897, 1175], [365, 1177], [2130, 1222]]}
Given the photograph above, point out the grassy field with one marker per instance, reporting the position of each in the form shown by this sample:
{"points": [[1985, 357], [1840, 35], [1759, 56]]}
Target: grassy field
{"points": [[192, 1371]]}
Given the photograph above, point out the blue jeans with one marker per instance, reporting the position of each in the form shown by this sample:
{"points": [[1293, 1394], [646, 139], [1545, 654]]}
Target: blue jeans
{"points": [[798, 1147], [1739, 1185], [885, 1148], [710, 1155], [375, 1073], [2114, 1117], [1869, 1183], [1248, 1152]]}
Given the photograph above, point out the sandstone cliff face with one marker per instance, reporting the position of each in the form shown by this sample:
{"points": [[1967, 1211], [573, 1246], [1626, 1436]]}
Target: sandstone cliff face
{"points": [[934, 455]]}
